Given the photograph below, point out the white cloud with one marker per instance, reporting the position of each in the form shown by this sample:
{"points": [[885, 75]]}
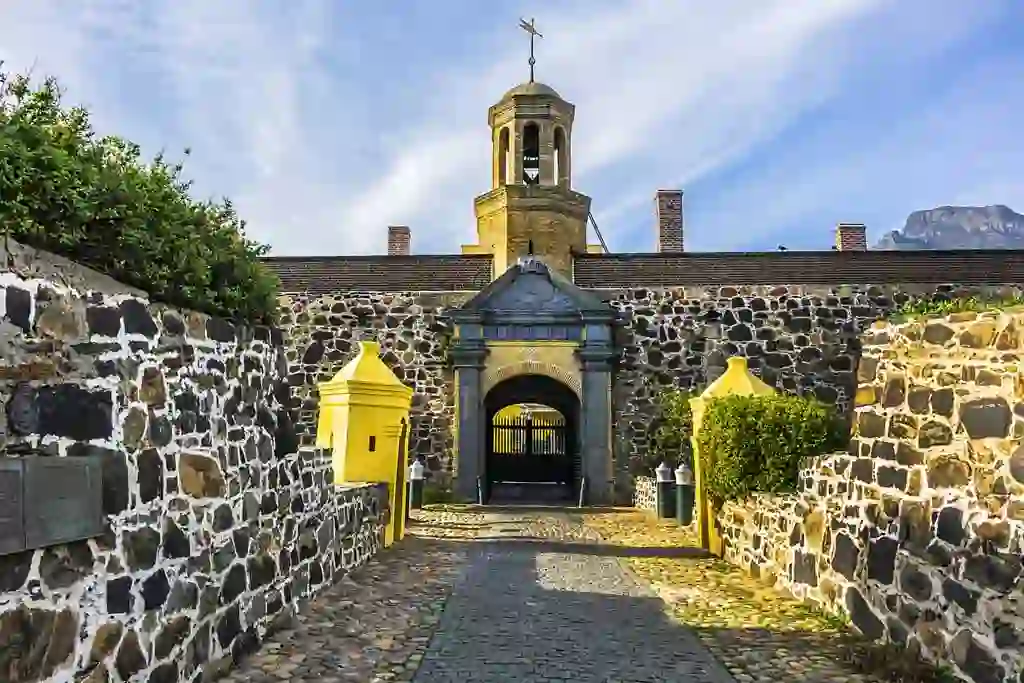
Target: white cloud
{"points": [[688, 79], [953, 150], [321, 151]]}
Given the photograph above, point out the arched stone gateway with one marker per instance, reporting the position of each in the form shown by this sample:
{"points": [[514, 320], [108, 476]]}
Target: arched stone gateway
{"points": [[532, 336], [532, 455]]}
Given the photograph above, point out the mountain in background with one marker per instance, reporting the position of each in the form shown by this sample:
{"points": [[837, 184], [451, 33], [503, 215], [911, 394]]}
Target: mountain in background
{"points": [[959, 227]]}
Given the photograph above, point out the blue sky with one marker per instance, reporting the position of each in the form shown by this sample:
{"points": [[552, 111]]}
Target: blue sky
{"points": [[326, 121]]}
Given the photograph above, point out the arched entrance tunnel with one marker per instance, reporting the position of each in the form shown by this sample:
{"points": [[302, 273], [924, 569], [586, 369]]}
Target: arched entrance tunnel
{"points": [[532, 440]]}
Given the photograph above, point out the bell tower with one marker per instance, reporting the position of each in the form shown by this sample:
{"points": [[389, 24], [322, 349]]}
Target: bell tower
{"points": [[531, 129], [531, 208]]}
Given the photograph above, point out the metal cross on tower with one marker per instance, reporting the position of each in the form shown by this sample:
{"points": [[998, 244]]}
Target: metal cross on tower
{"points": [[530, 28]]}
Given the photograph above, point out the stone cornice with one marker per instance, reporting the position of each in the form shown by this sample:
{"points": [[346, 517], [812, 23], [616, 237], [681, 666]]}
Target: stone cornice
{"points": [[468, 356], [522, 198], [538, 107]]}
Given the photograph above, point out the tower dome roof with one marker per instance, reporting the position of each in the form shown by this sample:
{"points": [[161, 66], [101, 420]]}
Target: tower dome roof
{"points": [[532, 88]]}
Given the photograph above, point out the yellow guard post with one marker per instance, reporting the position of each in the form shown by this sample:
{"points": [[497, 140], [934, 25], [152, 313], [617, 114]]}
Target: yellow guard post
{"points": [[364, 413], [736, 380]]}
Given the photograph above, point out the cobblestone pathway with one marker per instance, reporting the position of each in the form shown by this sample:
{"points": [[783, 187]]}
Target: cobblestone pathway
{"points": [[534, 607], [486, 598], [374, 624], [759, 634]]}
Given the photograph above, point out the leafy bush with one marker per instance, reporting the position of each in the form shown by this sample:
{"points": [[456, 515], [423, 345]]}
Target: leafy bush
{"points": [[670, 442], [755, 443], [942, 307], [437, 495], [93, 200]]}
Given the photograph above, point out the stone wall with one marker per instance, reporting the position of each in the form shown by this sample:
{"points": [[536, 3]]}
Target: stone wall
{"points": [[645, 493], [215, 527], [917, 532], [322, 334], [800, 339]]}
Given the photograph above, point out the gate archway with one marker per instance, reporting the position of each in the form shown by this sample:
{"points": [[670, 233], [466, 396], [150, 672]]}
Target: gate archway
{"points": [[532, 440]]}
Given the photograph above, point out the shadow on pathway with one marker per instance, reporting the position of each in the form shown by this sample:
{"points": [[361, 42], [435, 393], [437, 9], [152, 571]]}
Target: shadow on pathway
{"points": [[529, 607], [538, 612]]}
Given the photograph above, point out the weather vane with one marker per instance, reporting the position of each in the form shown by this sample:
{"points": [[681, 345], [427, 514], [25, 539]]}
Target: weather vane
{"points": [[530, 28]]}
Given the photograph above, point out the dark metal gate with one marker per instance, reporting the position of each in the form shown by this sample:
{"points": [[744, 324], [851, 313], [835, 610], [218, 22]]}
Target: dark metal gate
{"points": [[528, 450]]}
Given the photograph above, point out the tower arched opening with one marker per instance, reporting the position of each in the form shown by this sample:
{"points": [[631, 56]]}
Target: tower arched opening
{"points": [[561, 174], [531, 154], [504, 143]]}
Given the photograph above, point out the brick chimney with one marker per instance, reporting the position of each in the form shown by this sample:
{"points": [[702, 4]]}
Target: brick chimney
{"points": [[851, 237], [399, 240], [668, 206]]}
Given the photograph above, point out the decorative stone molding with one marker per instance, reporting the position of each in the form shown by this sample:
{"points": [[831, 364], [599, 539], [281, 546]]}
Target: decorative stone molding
{"points": [[556, 360], [532, 367]]}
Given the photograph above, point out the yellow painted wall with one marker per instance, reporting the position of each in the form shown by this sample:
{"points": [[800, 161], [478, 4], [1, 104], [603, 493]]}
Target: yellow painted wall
{"points": [[541, 416], [362, 412], [736, 380], [555, 359], [510, 217]]}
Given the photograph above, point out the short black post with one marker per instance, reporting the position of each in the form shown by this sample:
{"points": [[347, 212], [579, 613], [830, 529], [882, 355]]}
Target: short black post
{"points": [[684, 494], [664, 491], [416, 479]]}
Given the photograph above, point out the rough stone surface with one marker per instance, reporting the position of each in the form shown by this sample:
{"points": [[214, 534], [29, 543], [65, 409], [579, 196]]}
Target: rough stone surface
{"points": [[536, 614], [486, 597], [756, 632], [798, 338], [214, 527], [322, 334], [219, 524], [645, 493], [920, 525], [801, 339], [373, 625]]}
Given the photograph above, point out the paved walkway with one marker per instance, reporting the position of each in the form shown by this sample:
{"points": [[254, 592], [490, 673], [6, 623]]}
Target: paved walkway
{"points": [[546, 612], [759, 634], [487, 598]]}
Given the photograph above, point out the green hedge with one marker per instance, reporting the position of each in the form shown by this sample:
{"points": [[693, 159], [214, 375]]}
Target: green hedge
{"points": [[752, 444], [93, 199], [922, 308]]}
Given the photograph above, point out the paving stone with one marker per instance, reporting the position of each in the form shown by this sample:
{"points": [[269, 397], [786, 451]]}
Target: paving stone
{"points": [[474, 596], [757, 633], [483, 596], [539, 603], [373, 625]]}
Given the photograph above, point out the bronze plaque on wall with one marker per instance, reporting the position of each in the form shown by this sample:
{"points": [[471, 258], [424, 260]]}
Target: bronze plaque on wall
{"points": [[47, 501], [63, 500], [12, 527]]}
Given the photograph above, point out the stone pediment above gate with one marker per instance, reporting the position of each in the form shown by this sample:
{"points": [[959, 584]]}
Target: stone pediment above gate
{"points": [[530, 289]]}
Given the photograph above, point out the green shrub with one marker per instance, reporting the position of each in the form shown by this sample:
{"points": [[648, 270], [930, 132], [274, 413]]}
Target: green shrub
{"points": [[437, 494], [754, 444], [670, 441], [920, 308], [94, 200]]}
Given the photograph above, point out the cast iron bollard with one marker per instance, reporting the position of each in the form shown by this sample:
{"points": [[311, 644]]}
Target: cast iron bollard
{"points": [[684, 494], [664, 491], [416, 485]]}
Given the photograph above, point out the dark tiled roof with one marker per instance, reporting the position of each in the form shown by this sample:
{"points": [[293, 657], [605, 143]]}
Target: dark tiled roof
{"points": [[323, 274], [611, 271]]}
